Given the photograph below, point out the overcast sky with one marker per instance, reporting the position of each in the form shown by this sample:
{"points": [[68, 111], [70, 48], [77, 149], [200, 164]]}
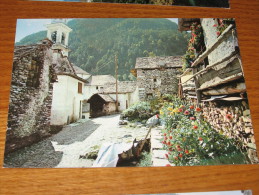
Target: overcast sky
{"points": [[26, 27]]}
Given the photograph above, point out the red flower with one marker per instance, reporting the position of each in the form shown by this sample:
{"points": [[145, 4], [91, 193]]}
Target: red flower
{"points": [[229, 116], [180, 155], [218, 33], [177, 146], [168, 165], [176, 158], [179, 149], [169, 143], [198, 109], [171, 137], [164, 134], [195, 127], [200, 138], [192, 118], [191, 107], [180, 110], [215, 25], [163, 142], [165, 138], [166, 155], [186, 112], [186, 151]]}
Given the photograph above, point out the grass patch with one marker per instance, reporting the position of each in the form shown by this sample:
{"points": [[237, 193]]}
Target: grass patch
{"points": [[234, 158], [145, 160]]}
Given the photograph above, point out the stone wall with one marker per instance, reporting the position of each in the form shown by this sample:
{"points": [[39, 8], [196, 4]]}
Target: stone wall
{"points": [[30, 96], [233, 119], [156, 82], [210, 36]]}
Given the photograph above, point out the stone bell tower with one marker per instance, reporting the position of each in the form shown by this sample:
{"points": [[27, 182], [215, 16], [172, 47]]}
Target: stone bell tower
{"points": [[58, 33]]}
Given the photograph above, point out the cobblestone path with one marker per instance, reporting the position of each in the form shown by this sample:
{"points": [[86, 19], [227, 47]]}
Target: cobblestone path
{"points": [[65, 148], [42, 154]]}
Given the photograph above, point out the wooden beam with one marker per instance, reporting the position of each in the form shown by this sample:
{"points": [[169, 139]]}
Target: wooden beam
{"points": [[230, 89], [219, 40], [212, 65], [198, 93], [222, 81]]}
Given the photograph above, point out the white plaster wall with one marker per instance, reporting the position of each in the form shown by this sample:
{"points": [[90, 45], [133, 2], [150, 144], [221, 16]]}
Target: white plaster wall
{"points": [[134, 97], [122, 100], [66, 100], [90, 90], [112, 107]]}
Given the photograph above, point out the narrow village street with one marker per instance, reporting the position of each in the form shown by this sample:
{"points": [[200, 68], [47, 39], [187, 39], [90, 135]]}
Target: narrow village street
{"points": [[65, 148]]}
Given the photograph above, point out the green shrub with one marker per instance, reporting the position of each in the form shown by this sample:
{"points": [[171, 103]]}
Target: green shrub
{"points": [[145, 160], [140, 111]]}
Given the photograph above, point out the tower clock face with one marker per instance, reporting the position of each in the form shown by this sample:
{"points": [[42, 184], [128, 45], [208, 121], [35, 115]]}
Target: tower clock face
{"points": [[54, 36]]}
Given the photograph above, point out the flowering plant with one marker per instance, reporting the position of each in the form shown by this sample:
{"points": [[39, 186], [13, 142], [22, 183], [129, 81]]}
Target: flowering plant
{"points": [[222, 25], [189, 139], [194, 45]]}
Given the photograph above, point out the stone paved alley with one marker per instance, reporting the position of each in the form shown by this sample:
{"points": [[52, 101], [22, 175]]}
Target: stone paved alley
{"points": [[65, 148]]}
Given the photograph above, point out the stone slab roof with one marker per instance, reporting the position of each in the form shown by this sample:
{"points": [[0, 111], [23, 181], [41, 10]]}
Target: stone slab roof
{"points": [[123, 87], [106, 97], [79, 70], [159, 62], [101, 79]]}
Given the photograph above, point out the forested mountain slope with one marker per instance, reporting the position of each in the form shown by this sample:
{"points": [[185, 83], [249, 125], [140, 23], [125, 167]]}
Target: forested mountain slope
{"points": [[94, 42]]}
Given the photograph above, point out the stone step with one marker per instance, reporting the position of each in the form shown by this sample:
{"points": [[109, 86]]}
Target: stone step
{"points": [[156, 144], [160, 162], [159, 154]]}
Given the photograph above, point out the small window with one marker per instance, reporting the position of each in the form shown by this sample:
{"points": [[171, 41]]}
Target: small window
{"points": [[96, 87], [33, 74], [80, 87], [154, 80]]}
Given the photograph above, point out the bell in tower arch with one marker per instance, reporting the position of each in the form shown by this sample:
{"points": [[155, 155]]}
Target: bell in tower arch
{"points": [[54, 37], [63, 38]]}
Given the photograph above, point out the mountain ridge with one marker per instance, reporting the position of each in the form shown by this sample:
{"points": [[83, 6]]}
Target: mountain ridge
{"points": [[94, 42]]}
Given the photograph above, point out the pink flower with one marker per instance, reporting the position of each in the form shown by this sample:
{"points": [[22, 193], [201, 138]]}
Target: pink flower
{"points": [[229, 116], [186, 112]]}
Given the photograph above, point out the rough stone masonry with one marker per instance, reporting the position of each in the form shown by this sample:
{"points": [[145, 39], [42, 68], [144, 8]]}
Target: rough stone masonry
{"points": [[35, 69], [30, 96]]}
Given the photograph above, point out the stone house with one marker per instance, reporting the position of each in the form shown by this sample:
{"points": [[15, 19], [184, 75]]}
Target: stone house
{"points": [[45, 90], [31, 95], [127, 93], [216, 81], [96, 84], [221, 67], [157, 75], [101, 105], [67, 96], [85, 106], [68, 89], [127, 96]]}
